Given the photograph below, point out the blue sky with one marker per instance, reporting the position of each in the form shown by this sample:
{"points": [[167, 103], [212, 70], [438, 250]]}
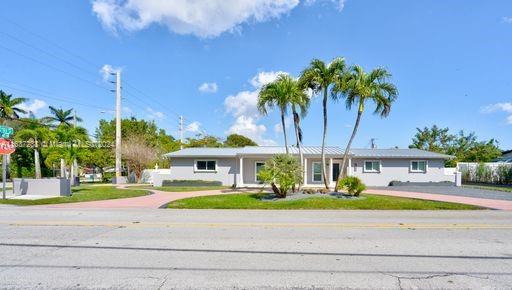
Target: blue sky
{"points": [[206, 60]]}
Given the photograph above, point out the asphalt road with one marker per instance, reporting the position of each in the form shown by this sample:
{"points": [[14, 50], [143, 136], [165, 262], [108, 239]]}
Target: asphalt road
{"points": [[152, 249]]}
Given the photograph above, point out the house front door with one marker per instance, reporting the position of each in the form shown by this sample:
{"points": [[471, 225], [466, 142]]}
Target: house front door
{"points": [[335, 171]]}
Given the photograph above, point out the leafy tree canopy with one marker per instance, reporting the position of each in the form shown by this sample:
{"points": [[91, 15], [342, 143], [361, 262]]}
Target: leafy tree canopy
{"points": [[235, 140], [465, 147]]}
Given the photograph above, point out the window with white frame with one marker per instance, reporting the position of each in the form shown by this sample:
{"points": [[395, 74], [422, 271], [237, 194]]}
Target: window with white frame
{"points": [[317, 171], [206, 165], [258, 166], [419, 166], [372, 166]]}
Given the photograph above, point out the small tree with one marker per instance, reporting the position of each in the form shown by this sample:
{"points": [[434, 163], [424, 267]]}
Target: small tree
{"points": [[282, 172], [138, 154], [353, 185]]}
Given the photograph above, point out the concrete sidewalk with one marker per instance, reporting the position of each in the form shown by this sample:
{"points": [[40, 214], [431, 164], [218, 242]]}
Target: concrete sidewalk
{"points": [[483, 202]]}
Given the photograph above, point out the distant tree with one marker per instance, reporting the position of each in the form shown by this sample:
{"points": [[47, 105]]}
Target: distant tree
{"points": [[9, 107], [204, 141], [138, 154], [235, 140], [465, 147], [61, 117], [359, 88], [321, 78], [433, 139]]}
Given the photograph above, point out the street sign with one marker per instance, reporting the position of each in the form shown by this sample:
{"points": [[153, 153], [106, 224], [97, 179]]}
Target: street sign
{"points": [[6, 146], [6, 132]]}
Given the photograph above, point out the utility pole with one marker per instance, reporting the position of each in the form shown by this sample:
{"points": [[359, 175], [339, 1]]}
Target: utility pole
{"points": [[373, 145], [118, 125], [181, 132], [74, 118]]}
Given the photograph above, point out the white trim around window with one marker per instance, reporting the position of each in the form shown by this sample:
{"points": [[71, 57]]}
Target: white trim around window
{"points": [[256, 170], [313, 172], [418, 168], [208, 167], [374, 168]]}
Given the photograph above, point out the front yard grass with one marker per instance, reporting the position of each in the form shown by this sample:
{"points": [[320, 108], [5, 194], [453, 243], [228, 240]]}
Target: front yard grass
{"points": [[367, 201], [82, 193]]}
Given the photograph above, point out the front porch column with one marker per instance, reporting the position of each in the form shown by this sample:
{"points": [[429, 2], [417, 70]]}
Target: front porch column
{"points": [[330, 172], [349, 167], [241, 173], [305, 182]]}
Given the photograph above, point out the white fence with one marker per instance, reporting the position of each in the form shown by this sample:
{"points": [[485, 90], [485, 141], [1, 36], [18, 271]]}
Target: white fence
{"points": [[490, 172]]}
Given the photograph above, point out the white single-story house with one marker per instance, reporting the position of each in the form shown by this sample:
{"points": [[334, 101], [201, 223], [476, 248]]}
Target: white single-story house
{"points": [[375, 167]]}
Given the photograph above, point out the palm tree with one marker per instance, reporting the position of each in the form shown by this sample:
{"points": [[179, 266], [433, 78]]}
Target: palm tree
{"points": [[61, 117], [321, 77], [278, 93], [359, 87], [9, 106], [300, 104], [36, 133]]}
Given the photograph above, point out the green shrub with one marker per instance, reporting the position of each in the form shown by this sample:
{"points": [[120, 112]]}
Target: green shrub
{"points": [[353, 185], [187, 183], [282, 172]]}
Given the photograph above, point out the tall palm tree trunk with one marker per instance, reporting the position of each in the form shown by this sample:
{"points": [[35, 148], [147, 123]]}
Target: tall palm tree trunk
{"points": [[284, 132], [343, 172], [37, 162], [299, 145], [324, 171]]}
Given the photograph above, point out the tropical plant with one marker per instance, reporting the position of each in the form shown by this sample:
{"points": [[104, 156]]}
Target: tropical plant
{"points": [[353, 185], [300, 104], [282, 172], [279, 94], [34, 133], [321, 78], [360, 87], [61, 117], [10, 107]]}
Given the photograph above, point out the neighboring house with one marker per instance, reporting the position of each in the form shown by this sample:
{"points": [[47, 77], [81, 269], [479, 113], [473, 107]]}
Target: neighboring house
{"points": [[506, 156], [375, 167]]}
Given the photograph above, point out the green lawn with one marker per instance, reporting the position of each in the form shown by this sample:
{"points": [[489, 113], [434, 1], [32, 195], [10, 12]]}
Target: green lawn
{"points": [[489, 187], [252, 201], [83, 193], [187, 188]]}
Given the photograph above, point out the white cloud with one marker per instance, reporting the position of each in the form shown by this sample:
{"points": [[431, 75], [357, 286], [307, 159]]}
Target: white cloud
{"points": [[242, 104], [263, 78], [507, 20], [247, 126], [208, 88], [243, 107], [33, 107], [106, 71], [340, 3], [153, 114], [500, 107], [201, 18], [193, 127]]}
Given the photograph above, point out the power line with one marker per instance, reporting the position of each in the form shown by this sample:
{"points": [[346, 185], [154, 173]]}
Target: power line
{"points": [[52, 67], [83, 59], [50, 97]]}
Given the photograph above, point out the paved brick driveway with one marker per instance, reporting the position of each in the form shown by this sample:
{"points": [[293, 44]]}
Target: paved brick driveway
{"points": [[479, 197]]}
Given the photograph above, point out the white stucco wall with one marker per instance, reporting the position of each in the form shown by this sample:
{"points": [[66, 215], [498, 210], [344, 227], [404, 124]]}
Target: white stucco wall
{"points": [[183, 169], [399, 170]]}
